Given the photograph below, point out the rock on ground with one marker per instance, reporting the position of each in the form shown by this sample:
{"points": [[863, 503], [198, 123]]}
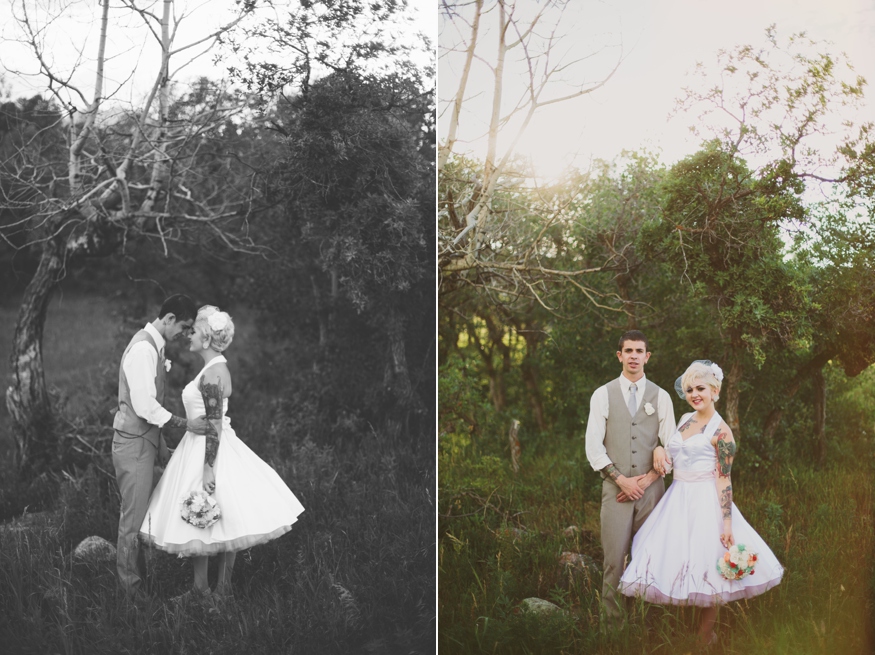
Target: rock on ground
{"points": [[95, 549], [540, 606]]}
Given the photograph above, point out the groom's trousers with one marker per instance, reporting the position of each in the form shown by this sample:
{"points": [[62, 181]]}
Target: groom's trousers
{"points": [[133, 459], [620, 522]]}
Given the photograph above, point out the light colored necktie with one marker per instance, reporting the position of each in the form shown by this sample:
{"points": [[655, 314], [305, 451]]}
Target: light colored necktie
{"points": [[633, 400]]}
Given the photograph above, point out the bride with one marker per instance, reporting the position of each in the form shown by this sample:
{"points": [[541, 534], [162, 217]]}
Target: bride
{"points": [[255, 504], [675, 553]]}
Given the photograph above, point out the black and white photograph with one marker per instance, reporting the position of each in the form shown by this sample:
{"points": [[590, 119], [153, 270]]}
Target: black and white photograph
{"points": [[217, 326], [656, 327]]}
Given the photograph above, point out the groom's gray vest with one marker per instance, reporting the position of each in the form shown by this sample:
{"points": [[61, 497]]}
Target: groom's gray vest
{"points": [[630, 440], [126, 422]]}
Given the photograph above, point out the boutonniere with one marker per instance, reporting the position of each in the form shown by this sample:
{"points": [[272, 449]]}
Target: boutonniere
{"points": [[648, 409], [167, 365]]}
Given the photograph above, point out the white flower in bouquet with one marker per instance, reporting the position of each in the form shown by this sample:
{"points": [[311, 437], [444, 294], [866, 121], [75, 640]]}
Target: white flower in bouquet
{"points": [[200, 509]]}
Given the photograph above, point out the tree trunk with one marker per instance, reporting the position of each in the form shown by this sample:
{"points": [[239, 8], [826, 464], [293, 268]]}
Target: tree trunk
{"points": [[819, 418], [529, 371], [27, 398], [514, 442], [400, 374], [731, 391], [496, 373], [811, 367]]}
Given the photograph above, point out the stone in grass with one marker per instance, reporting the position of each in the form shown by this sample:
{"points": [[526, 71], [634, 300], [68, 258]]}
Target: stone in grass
{"points": [[571, 531], [580, 535], [510, 533], [540, 607], [95, 550], [577, 562]]}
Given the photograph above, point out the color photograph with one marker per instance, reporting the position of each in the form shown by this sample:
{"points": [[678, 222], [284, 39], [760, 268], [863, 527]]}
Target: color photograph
{"points": [[656, 300]]}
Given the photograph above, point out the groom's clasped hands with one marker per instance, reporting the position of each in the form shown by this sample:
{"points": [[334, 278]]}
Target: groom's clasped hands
{"points": [[633, 488]]}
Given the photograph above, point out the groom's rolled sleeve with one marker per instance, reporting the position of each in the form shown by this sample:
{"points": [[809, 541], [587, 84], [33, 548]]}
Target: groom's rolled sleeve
{"points": [[595, 430], [139, 368], [665, 411]]}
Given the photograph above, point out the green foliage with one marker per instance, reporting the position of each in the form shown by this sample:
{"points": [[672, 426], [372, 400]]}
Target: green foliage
{"points": [[721, 235], [817, 523]]}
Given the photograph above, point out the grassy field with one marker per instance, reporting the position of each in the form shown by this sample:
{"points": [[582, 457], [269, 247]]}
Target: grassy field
{"points": [[501, 536], [355, 575]]}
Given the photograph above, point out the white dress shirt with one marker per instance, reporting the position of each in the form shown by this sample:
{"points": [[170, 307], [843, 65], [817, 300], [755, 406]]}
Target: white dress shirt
{"points": [[598, 419], [139, 366]]}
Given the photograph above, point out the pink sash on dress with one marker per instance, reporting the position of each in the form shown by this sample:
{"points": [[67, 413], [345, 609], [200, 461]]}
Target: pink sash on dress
{"points": [[694, 476]]}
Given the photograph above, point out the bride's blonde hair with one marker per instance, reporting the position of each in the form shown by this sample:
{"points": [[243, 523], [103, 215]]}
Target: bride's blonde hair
{"points": [[703, 372], [220, 329]]}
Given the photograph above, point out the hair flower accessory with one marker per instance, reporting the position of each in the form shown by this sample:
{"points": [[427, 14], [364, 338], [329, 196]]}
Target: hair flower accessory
{"points": [[218, 321], [718, 372]]}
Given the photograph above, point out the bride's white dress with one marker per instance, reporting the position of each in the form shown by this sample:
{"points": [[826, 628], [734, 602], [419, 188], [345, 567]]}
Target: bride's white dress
{"points": [[256, 504], [675, 552]]}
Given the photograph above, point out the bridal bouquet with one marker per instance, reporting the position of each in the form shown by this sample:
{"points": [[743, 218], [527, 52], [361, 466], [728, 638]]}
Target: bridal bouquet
{"points": [[737, 563], [200, 509]]}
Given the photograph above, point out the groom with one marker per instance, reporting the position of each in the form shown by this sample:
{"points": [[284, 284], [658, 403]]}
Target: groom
{"points": [[137, 424], [628, 419]]}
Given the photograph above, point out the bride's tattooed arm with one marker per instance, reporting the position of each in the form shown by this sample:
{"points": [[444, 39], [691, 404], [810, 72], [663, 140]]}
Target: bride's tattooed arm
{"points": [[725, 447], [213, 397]]}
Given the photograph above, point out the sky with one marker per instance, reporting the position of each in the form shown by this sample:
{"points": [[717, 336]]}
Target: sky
{"points": [[661, 43], [133, 58]]}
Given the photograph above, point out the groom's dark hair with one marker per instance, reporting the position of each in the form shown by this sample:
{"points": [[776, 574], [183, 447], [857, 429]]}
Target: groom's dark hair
{"points": [[181, 306], [633, 335]]}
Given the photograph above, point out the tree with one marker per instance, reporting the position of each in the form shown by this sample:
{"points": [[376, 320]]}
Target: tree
{"points": [[87, 183], [769, 109], [352, 184], [480, 241], [837, 256], [351, 190]]}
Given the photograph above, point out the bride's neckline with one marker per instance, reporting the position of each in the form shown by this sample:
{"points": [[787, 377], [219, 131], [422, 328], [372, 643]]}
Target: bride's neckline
{"points": [[703, 431]]}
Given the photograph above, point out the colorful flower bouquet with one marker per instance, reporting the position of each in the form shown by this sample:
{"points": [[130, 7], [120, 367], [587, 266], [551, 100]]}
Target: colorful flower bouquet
{"points": [[200, 509], [737, 563]]}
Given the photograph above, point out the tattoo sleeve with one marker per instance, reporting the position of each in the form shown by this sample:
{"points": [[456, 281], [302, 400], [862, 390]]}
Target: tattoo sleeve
{"points": [[176, 422], [725, 454], [726, 502], [213, 397], [612, 471]]}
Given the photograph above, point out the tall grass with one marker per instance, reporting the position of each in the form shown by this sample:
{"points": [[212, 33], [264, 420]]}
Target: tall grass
{"points": [[501, 536], [354, 575]]}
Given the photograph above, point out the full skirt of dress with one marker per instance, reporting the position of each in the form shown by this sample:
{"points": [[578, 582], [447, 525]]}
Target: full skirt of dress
{"points": [[256, 504], [675, 552]]}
